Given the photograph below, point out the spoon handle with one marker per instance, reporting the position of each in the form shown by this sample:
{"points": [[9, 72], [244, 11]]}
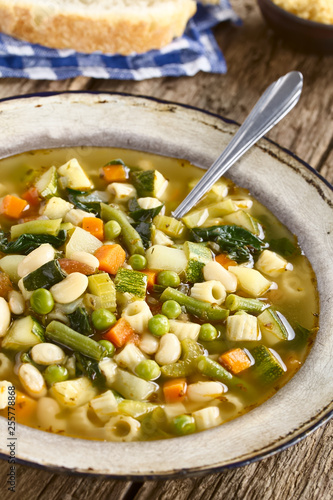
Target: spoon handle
{"points": [[275, 103]]}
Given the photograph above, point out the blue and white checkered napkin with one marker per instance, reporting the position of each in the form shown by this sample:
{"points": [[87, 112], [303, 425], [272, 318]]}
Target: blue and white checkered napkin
{"points": [[196, 50]]}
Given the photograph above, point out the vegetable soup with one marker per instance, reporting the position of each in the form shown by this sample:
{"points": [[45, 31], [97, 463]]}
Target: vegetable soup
{"points": [[119, 322]]}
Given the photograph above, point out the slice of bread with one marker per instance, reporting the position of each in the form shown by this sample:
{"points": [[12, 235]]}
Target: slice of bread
{"points": [[110, 26]]}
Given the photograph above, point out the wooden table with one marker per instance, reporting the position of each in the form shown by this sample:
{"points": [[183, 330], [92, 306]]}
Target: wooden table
{"points": [[255, 58]]}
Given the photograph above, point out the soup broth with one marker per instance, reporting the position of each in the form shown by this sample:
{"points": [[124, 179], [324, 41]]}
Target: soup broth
{"points": [[121, 323]]}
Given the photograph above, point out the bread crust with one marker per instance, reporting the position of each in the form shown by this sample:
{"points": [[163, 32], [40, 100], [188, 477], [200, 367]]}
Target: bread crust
{"points": [[120, 34]]}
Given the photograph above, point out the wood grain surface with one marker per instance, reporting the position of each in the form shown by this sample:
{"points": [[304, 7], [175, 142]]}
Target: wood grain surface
{"points": [[255, 58]]}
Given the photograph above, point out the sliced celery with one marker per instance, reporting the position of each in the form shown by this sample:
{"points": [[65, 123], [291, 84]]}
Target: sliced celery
{"points": [[169, 225], [134, 282], [38, 226], [102, 286]]}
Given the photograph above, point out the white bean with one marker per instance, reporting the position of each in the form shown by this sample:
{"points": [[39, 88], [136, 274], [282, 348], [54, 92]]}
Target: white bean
{"points": [[5, 317], [26, 294], [6, 366], [204, 391], [71, 288], [47, 354], [35, 259], [86, 258], [16, 302], [32, 380], [214, 271], [169, 350], [148, 343]]}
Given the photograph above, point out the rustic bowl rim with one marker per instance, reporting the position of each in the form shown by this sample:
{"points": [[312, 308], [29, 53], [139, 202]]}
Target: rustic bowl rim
{"points": [[325, 415]]}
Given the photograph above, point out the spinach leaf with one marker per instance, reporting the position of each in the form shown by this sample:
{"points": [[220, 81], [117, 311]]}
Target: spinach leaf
{"points": [[90, 368], [79, 200], [26, 243], [302, 336], [284, 247], [142, 214], [79, 321], [144, 229], [236, 241]]}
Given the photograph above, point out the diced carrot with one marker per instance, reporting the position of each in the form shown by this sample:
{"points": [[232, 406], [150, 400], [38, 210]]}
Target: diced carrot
{"points": [[74, 266], [111, 258], [12, 206], [120, 333], [24, 406], [235, 360], [224, 260], [31, 196], [151, 278], [94, 226], [175, 390], [115, 173]]}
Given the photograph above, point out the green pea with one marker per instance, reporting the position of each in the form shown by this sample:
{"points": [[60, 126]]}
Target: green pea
{"points": [[183, 424], [112, 230], [103, 319], [207, 332], [171, 309], [159, 325], [148, 369], [41, 301], [55, 373], [168, 278], [108, 346], [138, 262]]}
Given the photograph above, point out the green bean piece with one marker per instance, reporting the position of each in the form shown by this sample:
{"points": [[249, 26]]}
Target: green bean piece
{"points": [[236, 303], [112, 230], [62, 334], [171, 309], [55, 373], [168, 278], [203, 310], [138, 262], [212, 369], [182, 425], [108, 346], [131, 238], [207, 332], [159, 325], [102, 319], [148, 369], [41, 301]]}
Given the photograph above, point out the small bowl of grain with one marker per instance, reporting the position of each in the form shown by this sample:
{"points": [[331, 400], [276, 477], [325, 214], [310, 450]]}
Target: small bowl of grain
{"points": [[305, 24]]}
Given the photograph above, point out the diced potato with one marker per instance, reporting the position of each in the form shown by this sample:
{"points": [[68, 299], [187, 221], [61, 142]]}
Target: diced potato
{"points": [[271, 263], [56, 208], [82, 241], [75, 176], [73, 393], [207, 418], [162, 258], [250, 281]]}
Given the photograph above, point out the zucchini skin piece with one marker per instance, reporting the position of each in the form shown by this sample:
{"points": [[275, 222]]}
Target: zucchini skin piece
{"points": [[46, 276], [131, 238], [237, 303], [267, 367], [191, 350], [134, 282], [203, 310], [62, 334]]}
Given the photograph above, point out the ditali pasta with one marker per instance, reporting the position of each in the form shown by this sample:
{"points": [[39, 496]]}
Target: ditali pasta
{"points": [[119, 322]]}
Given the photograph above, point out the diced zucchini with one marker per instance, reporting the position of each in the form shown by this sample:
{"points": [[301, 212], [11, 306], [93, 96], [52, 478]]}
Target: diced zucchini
{"points": [[198, 255], [38, 226], [73, 393], [245, 220], [24, 333], [66, 226], [56, 208], [134, 282], [218, 191], [242, 327], [162, 258], [45, 276], [149, 183], [267, 367], [197, 218], [75, 177], [160, 238], [250, 281], [272, 327], [47, 184], [271, 263], [121, 191], [82, 241], [135, 409], [103, 286], [169, 225], [132, 387], [9, 265]]}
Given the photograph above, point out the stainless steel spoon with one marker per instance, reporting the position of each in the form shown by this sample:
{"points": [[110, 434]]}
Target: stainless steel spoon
{"points": [[273, 105]]}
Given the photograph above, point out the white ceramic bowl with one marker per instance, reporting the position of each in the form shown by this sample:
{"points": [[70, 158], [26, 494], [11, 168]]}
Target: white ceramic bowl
{"points": [[288, 187]]}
